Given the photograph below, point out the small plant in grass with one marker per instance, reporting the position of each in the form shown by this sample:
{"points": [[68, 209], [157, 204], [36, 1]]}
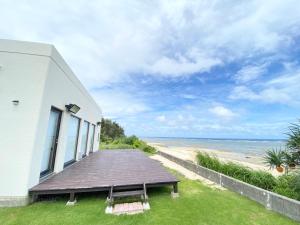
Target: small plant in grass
{"points": [[275, 158]]}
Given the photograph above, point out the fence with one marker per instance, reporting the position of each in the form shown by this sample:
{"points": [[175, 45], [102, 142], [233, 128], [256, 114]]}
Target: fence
{"points": [[278, 203]]}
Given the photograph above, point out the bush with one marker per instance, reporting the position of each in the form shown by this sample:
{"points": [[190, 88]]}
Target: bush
{"points": [[260, 179], [293, 142], [131, 142], [209, 162], [149, 149], [115, 146], [110, 130], [286, 186], [263, 180]]}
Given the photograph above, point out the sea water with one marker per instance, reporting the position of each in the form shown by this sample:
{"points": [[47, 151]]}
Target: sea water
{"points": [[244, 146]]}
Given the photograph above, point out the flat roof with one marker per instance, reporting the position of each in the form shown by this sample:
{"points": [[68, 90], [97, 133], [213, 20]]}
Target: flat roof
{"points": [[124, 169], [45, 50]]}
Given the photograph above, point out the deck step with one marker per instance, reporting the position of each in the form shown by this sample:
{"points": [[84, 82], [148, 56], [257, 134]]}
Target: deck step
{"points": [[127, 193]]}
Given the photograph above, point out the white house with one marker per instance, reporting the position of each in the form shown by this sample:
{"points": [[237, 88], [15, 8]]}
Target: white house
{"points": [[41, 131]]}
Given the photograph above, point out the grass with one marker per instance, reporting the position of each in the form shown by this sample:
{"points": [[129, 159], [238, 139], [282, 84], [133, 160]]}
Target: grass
{"points": [[115, 146], [197, 204], [131, 142]]}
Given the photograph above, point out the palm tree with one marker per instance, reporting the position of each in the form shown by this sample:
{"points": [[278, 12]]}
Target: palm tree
{"points": [[275, 158], [293, 142]]}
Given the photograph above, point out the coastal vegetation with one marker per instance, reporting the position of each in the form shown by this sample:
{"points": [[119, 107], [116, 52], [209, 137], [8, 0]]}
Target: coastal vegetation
{"points": [[113, 137], [293, 142], [287, 184], [260, 179], [290, 157], [197, 204]]}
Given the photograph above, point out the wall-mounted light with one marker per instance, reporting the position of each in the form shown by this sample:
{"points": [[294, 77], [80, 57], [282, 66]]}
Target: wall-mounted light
{"points": [[99, 123], [73, 108], [15, 102]]}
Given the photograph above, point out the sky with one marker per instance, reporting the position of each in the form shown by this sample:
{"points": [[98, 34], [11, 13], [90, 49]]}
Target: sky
{"points": [[180, 68]]}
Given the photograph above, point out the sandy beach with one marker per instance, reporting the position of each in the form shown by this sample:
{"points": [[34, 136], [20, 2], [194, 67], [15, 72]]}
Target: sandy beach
{"points": [[189, 153]]}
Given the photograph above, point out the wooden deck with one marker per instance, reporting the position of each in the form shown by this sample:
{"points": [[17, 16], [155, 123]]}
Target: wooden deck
{"points": [[123, 169]]}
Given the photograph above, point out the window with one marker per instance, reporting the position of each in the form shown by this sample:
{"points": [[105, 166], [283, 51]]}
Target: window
{"points": [[51, 141], [92, 138], [72, 140], [84, 138]]}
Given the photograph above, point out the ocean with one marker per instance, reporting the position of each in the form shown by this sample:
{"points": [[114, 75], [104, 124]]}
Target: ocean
{"points": [[244, 146]]}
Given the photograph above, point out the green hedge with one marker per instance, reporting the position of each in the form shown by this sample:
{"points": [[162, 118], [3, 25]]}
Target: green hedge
{"points": [[258, 178], [128, 143], [287, 185]]}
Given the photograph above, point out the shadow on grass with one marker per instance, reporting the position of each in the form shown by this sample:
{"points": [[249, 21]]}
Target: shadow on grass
{"points": [[151, 192]]}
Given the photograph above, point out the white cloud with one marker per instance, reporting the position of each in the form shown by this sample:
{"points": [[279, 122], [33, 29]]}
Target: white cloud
{"points": [[182, 66], [283, 89], [106, 41], [119, 104], [161, 118], [249, 73], [222, 112], [243, 92], [188, 96]]}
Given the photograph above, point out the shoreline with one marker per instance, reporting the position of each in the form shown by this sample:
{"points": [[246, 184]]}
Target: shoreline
{"points": [[189, 153]]}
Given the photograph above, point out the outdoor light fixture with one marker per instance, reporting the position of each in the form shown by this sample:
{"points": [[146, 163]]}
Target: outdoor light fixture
{"points": [[15, 102], [99, 123], [73, 108]]}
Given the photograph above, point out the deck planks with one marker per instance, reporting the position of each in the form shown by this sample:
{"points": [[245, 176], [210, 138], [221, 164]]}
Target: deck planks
{"points": [[106, 168]]}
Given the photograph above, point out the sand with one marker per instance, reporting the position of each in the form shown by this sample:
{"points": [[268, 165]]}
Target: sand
{"points": [[189, 153]]}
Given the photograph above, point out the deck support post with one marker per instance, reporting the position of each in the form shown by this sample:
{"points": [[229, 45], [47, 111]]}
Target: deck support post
{"points": [[146, 205], [72, 200], [34, 198], [175, 193], [110, 200]]}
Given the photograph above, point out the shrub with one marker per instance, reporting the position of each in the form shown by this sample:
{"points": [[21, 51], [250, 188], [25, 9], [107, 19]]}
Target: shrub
{"points": [[260, 179], [286, 186], [110, 130], [130, 140], [263, 180], [115, 146], [149, 149], [209, 162], [293, 142], [128, 143], [274, 158]]}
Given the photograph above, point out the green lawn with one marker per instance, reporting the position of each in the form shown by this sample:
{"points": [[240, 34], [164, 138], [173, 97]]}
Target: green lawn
{"points": [[197, 204]]}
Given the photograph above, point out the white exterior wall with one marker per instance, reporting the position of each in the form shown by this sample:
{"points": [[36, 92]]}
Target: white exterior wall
{"points": [[37, 76]]}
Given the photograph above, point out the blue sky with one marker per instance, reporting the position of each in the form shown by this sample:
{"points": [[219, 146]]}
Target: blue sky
{"points": [[176, 68]]}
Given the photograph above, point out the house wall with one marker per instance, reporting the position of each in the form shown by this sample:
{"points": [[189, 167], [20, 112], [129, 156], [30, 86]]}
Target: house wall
{"points": [[62, 88], [18, 123], [37, 76]]}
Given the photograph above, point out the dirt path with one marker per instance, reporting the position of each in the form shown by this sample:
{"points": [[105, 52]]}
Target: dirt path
{"points": [[185, 172]]}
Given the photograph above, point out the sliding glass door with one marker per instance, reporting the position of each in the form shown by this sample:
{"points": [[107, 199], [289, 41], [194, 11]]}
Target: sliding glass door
{"points": [[49, 151], [84, 138], [92, 138], [72, 140]]}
